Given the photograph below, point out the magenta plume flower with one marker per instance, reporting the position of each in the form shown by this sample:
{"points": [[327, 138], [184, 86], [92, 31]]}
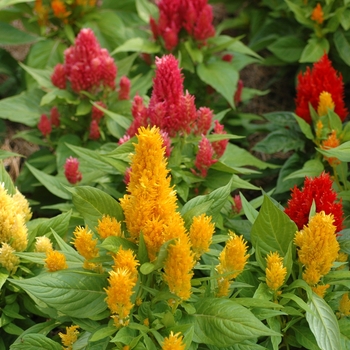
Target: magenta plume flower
{"points": [[71, 170]]}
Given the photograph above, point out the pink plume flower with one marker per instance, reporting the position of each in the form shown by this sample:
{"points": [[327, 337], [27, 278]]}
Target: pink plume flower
{"points": [[238, 94], [94, 130], [219, 146], [166, 143], [237, 204], [124, 88], [205, 156], [58, 77], [203, 121], [71, 170], [44, 125], [55, 117]]}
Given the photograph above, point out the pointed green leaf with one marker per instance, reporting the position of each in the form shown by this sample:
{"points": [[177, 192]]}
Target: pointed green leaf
{"points": [[6, 179], [36, 342], [341, 152], [42, 76], [10, 35]]}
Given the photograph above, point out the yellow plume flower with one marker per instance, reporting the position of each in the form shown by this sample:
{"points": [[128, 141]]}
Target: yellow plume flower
{"points": [[8, 259], [108, 226], [150, 207], [119, 292], [55, 261], [232, 261], [173, 342], [201, 233], [275, 271], [331, 142], [325, 102], [178, 268], [318, 247], [125, 259], [12, 221], [344, 305], [43, 244], [319, 128], [22, 205], [70, 337], [320, 289], [84, 243]]}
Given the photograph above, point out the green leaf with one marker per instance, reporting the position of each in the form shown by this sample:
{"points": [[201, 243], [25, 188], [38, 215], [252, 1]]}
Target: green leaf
{"points": [[137, 45], [221, 76], [305, 337], [102, 333], [272, 230], [314, 50], [250, 212], [299, 12], [42, 76], [93, 203], [341, 152], [6, 179], [10, 35], [342, 45], [287, 48], [323, 324], [223, 323], [146, 9], [6, 3], [51, 183], [113, 243], [305, 127], [312, 167], [23, 108], [76, 294]]}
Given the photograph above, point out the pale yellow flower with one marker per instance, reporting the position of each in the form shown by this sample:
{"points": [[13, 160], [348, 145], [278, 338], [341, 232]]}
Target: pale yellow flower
{"points": [[178, 268], [70, 337], [325, 102], [119, 292], [318, 247], [55, 261], [275, 271], [8, 259], [173, 342], [22, 205], [232, 261], [108, 226], [43, 244], [344, 305], [201, 233]]}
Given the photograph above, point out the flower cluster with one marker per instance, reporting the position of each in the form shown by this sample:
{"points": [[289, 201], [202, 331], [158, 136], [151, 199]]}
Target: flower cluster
{"points": [[232, 261], [14, 213], [275, 271], [318, 189], [173, 342], [175, 113], [193, 16], [318, 248], [315, 82]]}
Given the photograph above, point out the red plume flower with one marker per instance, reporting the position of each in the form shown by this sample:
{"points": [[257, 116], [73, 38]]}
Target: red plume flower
{"points": [[205, 156], [322, 77], [71, 170], [320, 190], [45, 125]]}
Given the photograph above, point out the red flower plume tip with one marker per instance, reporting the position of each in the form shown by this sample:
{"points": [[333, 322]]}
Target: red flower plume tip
{"points": [[322, 77], [320, 190]]}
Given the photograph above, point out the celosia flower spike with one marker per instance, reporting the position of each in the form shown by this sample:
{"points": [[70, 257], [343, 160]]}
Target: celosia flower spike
{"points": [[126, 259], [8, 259], [205, 157], [55, 261], [55, 117], [173, 342], [71, 170], [219, 146], [331, 142], [43, 244], [108, 226], [318, 189], [317, 14], [45, 125], [70, 337], [84, 243], [124, 88], [275, 271], [344, 305]]}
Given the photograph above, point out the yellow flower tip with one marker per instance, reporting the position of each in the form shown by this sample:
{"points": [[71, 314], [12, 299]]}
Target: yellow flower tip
{"points": [[8, 259], [317, 14], [146, 322], [126, 347], [312, 275], [319, 128], [108, 226], [344, 305], [119, 293], [325, 103], [223, 287], [320, 290], [22, 205], [275, 271], [43, 244], [84, 243], [173, 342], [201, 233], [178, 268], [70, 337], [126, 259], [138, 301], [55, 261]]}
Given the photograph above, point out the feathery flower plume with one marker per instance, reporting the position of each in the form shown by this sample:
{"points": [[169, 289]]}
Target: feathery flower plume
{"points": [[84, 243], [55, 117], [219, 146], [70, 337], [150, 205], [237, 204], [204, 117], [124, 88], [205, 156], [275, 271], [55, 261], [94, 132], [22, 206], [42, 12], [96, 113], [119, 293], [43, 244], [44, 125], [178, 268], [232, 261], [71, 170], [317, 14], [60, 10], [8, 259], [201, 233], [320, 190], [318, 247], [331, 142], [237, 98], [321, 78], [126, 259], [320, 289], [325, 103], [173, 342], [108, 226], [344, 305], [58, 77]]}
